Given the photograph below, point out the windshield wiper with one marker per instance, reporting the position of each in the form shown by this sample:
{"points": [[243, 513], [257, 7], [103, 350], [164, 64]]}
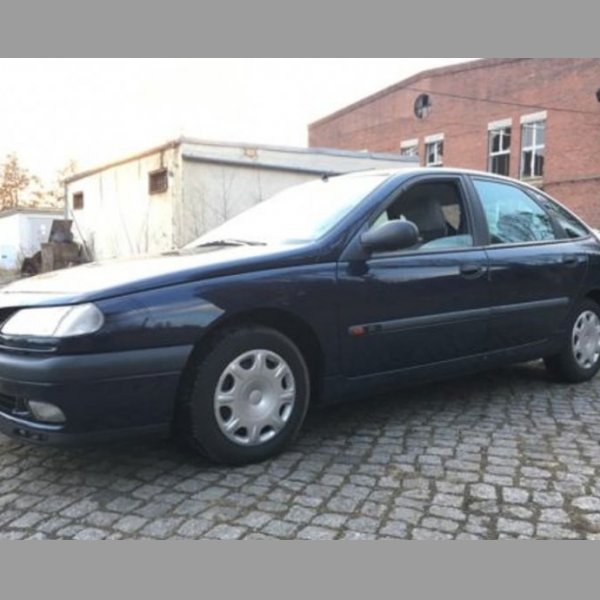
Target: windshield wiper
{"points": [[231, 242]]}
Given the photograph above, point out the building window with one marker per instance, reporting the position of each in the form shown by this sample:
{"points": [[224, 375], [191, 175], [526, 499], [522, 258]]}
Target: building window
{"points": [[434, 150], [499, 147], [533, 140], [158, 181], [78, 201], [409, 148]]}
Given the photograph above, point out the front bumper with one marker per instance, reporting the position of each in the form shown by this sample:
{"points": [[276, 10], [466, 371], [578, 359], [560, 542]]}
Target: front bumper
{"points": [[103, 396]]}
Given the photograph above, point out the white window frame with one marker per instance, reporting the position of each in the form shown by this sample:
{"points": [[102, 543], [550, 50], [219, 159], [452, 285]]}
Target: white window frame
{"points": [[434, 140], [409, 147], [528, 121], [495, 127], [533, 117]]}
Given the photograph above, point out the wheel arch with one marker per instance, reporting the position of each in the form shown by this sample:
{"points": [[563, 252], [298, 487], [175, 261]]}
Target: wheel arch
{"points": [[594, 294], [285, 322]]}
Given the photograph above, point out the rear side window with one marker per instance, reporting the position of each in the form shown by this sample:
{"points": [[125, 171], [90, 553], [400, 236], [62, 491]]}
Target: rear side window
{"points": [[512, 216], [568, 223]]}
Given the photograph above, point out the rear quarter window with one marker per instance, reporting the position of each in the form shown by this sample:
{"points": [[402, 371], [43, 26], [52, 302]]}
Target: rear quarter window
{"points": [[570, 224]]}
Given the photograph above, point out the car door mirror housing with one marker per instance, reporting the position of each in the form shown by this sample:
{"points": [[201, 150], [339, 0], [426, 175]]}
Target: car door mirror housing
{"points": [[393, 235]]}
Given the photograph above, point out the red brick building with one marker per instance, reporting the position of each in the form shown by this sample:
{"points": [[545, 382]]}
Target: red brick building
{"points": [[533, 119]]}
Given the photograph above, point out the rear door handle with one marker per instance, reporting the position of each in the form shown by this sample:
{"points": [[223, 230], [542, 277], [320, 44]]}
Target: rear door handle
{"points": [[472, 271]]}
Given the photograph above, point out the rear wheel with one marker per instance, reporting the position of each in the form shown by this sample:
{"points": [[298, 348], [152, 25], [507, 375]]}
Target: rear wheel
{"points": [[579, 359], [247, 397]]}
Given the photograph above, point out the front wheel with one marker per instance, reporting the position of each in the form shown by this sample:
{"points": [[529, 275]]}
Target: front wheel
{"points": [[579, 359], [248, 396]]}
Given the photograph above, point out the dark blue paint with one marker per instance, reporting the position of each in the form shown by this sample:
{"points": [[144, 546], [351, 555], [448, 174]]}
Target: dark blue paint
{"points": [[424, 316]]}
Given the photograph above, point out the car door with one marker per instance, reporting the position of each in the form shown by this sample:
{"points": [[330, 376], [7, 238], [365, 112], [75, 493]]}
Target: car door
{"points": [[535, 269], [420, 306]]}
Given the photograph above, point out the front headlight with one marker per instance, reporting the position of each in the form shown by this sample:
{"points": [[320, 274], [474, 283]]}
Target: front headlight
{"points": [[59, 321]]}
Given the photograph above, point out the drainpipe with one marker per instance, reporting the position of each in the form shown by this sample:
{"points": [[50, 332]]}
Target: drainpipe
{"points": [[66, 199]]}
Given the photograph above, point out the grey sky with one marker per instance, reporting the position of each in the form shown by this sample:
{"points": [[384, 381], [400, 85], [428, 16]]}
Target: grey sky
{"points": [[96, 110]]}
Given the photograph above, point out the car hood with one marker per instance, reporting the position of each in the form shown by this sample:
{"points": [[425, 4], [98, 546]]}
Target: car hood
{"points": [[105, 279]]}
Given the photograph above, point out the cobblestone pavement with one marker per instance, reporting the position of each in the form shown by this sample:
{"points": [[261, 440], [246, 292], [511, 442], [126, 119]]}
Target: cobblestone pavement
{"points": [[502, 454]]}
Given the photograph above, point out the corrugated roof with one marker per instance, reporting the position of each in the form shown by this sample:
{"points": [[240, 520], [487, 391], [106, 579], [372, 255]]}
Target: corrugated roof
{"points": [[122, 161], [43, 212], [242, 145]]}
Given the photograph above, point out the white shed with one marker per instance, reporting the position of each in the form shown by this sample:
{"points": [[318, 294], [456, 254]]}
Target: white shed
{"points": [[22, 232], [169, 195]]}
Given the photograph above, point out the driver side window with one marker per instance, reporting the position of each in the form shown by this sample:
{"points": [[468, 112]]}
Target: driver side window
{"points": [[438, 210]]}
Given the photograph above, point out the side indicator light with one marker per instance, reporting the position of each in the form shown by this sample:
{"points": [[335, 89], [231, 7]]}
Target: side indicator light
{"points": [[357, 330]]}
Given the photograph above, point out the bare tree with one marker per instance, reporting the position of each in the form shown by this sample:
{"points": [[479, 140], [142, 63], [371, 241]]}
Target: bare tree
{"points": [[55, 197], [228, 177], [205, 211], [20, 189], [14, 179], [70, 168], [219, 208]]}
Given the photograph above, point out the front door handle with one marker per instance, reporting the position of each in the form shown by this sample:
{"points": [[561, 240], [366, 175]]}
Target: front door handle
{"points": [[472, 271], [570, 260]]}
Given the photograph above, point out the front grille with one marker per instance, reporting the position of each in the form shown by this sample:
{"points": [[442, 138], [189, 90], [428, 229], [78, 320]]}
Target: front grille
{"points": [[11, 405], [8, 404]]}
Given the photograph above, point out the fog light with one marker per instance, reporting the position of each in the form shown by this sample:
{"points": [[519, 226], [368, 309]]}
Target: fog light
{"points": [[44, 411]]}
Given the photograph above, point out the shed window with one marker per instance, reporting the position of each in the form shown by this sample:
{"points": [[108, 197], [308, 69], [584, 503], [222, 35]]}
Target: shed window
{"points": [[78, 201], [158, 181]]}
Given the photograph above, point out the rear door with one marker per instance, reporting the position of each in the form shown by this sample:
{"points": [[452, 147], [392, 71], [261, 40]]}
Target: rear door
{"points": [[535, 270]]}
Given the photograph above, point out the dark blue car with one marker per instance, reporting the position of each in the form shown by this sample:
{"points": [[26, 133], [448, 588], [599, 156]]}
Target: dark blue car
{"points": [[337, 288]]}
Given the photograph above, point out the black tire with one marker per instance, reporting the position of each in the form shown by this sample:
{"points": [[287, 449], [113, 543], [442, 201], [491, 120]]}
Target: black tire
{"points": [[564, 365], [196, 417]]}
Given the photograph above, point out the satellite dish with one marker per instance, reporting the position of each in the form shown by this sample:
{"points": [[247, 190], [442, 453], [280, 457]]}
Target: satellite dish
{"points": [[422, 106]]}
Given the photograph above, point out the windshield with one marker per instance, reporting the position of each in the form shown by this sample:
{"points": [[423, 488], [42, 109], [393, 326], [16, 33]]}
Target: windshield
{"points": [[302, 213]]}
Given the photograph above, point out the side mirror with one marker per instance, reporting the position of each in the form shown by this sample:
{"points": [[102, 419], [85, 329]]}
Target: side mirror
{"points": [[393, 235]]}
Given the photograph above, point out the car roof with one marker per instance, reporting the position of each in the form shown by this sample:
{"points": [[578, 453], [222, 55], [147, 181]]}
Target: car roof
{"points": [[406, 172], [424, 170]]}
